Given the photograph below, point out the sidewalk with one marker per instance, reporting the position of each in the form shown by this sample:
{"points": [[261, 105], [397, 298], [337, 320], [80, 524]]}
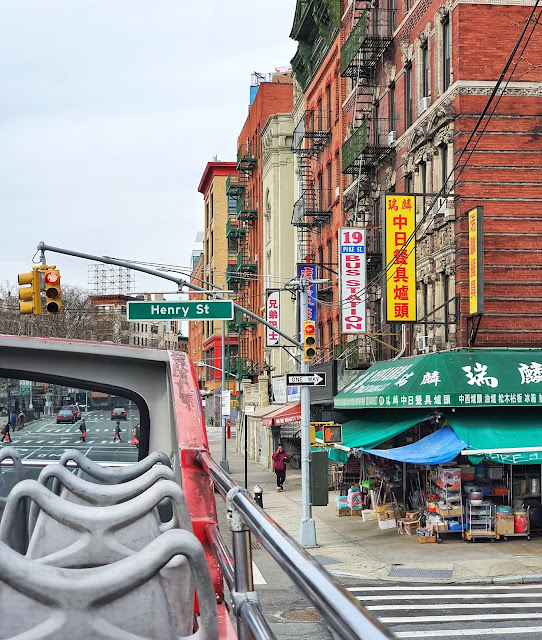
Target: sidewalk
{"points": [[352, 548]]}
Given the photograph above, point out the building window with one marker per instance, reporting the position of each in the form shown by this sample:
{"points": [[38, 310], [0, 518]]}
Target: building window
{"points": [[339, 174], [392, 107], [444, 164], [409, 186], [376, 126], [319, 124], [321, 334], [423, 178], [425, 70], [323, 273], [329, 185], [329, 258], [408, 96], [320, 192], [446, 285], [447, 53], [328, 94]]}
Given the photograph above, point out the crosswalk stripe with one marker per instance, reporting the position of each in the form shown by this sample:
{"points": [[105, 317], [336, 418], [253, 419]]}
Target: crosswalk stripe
{"points": [[455, 605], [454, 633], [462, 596], [461, 618], [448, 587]]}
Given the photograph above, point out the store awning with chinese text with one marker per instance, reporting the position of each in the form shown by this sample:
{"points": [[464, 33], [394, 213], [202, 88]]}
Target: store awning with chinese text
{"points": [[461, 378]]}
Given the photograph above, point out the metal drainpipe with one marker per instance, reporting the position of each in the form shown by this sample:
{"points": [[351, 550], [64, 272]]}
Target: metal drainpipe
{"points": [[403, 337]]}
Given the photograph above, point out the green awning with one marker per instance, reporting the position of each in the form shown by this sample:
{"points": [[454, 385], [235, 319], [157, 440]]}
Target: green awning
{"points": [[373, 427], [486, 431], [461, 378]]}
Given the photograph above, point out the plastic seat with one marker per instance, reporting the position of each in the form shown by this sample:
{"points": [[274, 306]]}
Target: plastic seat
{"points": [[73, 535], [124, 600], [19, 537]]}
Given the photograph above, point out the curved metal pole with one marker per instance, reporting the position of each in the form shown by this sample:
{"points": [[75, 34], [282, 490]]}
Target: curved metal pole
{"points": [[160, 274]]}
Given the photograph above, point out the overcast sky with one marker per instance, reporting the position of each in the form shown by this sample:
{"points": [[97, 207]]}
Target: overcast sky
{"points": [[109, 111]]}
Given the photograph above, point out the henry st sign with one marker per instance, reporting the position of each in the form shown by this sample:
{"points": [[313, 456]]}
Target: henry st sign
{"points": [[191, 310]]}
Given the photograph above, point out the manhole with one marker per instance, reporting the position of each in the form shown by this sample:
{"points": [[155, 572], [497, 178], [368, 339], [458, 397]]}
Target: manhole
{"points": [[325, 560], [302, 615], [439, 574]]}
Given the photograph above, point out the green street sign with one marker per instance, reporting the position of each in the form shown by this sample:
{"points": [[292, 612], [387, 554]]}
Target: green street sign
{"points": [[26, 389], [192, 310]]}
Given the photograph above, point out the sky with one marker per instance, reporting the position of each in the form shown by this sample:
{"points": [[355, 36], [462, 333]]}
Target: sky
{"points": [[109, 112]]}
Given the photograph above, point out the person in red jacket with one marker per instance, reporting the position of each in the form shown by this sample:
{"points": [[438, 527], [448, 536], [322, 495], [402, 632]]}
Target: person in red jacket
{"points": [[280, 458]]}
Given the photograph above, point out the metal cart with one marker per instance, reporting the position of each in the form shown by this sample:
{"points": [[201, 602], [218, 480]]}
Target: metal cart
{"points": [[479, 521]]}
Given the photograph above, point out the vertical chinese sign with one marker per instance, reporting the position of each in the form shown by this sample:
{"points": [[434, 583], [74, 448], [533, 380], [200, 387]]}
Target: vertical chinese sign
{"points": [[476, 260], [400, 257], [272, 306], [353, 279], [308, 271]]}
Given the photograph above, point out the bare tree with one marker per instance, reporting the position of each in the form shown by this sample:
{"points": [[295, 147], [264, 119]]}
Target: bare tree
{"points": [[79, 319]]}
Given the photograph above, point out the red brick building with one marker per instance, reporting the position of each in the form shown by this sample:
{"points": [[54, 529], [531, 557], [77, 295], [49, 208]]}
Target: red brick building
{"points": [[245, 228], [416, 77]]}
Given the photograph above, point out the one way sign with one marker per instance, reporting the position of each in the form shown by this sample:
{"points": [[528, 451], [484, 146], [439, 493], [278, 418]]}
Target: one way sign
{"points": [[306, 379]]}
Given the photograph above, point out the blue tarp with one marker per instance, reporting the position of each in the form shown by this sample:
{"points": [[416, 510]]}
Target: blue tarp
{"points": [[438, 447]]}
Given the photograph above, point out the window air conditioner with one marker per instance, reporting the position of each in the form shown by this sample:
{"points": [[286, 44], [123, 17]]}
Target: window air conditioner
{"points": [[425, 103], [421, 343], [439, 207], [392, 137]]}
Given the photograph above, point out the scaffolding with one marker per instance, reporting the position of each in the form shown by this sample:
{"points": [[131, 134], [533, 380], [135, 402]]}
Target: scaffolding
{"points": [[110, 279]]}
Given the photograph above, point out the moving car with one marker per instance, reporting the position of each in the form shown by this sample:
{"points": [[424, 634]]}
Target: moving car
{"points": [[118, 414], [65, 415], [75, 409]]}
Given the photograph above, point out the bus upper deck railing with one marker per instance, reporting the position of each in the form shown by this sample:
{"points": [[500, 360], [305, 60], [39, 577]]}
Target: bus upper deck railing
{"points": [[341, 612]]}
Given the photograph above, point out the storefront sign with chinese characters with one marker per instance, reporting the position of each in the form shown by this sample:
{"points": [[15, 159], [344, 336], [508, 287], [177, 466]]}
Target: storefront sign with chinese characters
{"points": [[400, 257], [272, 304], [353, 279], [455, 379], [476, 260]]}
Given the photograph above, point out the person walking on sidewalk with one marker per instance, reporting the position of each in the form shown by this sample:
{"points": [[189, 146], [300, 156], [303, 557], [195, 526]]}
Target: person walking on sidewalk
{"points": [[117, 432], [5, 431], [280, 458]]}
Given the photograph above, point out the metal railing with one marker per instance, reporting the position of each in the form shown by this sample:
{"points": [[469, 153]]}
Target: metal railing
{"points": [[343, 614]]}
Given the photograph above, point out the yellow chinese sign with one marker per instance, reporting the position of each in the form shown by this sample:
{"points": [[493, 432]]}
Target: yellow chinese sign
{"points": [[400, 257], [476, 300]]}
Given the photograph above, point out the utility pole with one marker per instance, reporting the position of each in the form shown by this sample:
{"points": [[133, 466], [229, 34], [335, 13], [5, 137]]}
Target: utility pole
{"points": [[306, 529]]}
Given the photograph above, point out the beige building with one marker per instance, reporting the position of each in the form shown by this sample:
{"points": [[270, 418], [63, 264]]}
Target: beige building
{"points": [[279, 236]]}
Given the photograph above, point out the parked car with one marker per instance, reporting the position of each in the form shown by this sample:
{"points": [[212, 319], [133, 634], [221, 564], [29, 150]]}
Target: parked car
{"points": [[118, 414], [75, 410], [65, 415]]}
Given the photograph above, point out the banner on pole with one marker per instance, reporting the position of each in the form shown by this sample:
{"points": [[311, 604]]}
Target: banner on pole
{"points": [[353, 279]]}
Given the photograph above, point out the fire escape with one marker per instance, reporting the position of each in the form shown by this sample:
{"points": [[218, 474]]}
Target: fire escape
{"points": [[241, 265], [313, 208], [370, 139]]}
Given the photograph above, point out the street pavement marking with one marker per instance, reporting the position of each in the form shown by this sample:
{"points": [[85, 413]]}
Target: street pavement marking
{"points": [[467, 632], [463, 596], [448, 587], [257, 575], [456, 605], [462, 618]]}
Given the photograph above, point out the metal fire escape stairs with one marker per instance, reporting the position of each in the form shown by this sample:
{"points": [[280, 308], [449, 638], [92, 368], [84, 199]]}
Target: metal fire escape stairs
{"points": [[313, 207], [239, 274]]}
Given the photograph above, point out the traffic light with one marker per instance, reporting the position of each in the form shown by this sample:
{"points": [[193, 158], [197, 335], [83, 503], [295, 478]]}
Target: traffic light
{"points": [[309, 340], [30, 296], [333, 434], [53, 294]]}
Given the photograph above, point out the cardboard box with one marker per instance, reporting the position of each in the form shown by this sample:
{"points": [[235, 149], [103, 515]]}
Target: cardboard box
{"points": [[384, 507], [387, 524], [385, 515], [356, 512], [504, 525], [454, 512], [426, 539], [342, 512]]}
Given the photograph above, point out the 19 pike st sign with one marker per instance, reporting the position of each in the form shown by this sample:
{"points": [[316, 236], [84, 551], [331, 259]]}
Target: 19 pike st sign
{"points": [[191, 310]]}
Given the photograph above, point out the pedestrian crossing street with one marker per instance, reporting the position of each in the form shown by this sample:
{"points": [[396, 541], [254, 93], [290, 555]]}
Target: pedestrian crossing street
{"points": [[456, 611]]}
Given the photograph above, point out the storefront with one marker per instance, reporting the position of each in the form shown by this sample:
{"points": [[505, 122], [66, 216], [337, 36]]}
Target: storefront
{"points": [[470, 415]]}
